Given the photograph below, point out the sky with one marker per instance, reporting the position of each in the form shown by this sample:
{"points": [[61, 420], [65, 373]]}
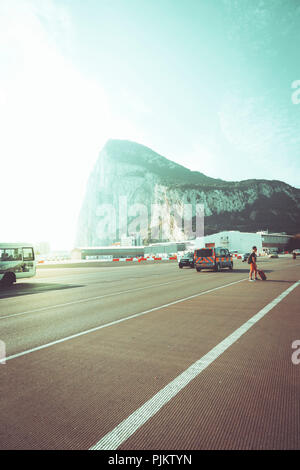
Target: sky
{"points": [[211, 84]]}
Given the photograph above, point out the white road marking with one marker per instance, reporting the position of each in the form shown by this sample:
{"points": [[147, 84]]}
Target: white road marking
{"points": [[113, 439], [121, 320], [89, 299], [91, 275]]}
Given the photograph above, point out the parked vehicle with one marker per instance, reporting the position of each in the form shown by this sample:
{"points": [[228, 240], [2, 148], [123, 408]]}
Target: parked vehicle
{"points": [[212, 258], [245, 257], [186, 260]]}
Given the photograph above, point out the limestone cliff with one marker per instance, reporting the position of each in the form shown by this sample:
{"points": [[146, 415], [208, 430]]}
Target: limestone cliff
{"points": [[129, 170]]}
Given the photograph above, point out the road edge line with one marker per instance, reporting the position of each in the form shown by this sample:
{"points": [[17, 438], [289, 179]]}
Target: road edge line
{"points": [[123, 431]]}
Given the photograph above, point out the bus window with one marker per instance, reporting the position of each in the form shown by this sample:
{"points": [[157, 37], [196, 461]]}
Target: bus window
{"points": [[10, 254], [4, 256], [28, 254], [17, 254]]}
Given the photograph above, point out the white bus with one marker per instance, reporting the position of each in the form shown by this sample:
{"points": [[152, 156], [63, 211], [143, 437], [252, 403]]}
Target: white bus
{"points": [[17, 260]]}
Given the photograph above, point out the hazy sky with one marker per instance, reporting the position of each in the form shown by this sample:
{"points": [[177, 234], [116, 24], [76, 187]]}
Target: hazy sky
{"points": [[207, 83]]}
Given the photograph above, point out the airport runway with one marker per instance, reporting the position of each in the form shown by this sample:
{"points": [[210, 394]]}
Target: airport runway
{"points": [[151, 357]]}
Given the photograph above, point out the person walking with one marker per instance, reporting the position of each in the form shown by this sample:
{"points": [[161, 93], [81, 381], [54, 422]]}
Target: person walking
{"points": [[252, 262]]}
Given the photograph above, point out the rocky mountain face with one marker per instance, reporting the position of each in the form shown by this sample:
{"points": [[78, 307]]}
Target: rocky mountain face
{"points": [[130, 182]]}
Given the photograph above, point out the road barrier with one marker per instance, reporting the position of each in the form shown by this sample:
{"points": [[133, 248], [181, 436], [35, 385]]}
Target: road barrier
{"points": [[100, 263]]}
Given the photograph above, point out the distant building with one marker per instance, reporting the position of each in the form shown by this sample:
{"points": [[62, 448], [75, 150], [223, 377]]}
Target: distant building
{"points": [[127, 240], [133, 239], [166, 248], [232, 240], [243, 241], [277, 241], [102, 252]]}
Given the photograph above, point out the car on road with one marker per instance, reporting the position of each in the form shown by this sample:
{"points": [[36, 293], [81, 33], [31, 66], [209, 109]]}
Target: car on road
{"points": [[212, 258], [187, 260], [272, 253], [297, 252], [245, 257]]}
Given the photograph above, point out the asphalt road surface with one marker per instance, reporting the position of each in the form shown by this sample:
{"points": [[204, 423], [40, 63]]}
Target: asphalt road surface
{"points": [[151, 357]]}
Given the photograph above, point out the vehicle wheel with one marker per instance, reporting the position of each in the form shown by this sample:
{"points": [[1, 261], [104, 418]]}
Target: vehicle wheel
{"points": [[8, 279], [231, 267], [217, 268], [198, 270]]}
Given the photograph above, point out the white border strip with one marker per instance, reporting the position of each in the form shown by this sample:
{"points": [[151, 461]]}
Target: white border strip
{"points": [[113, 439], [121, 320]]}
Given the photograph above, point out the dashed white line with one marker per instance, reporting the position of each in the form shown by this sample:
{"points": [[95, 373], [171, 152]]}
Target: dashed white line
{"points": [[121, 320], [89, 299]]}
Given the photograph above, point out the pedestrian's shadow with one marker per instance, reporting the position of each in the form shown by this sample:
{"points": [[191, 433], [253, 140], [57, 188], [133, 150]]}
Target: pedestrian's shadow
{"points": [[243, 270], [234, 270]]}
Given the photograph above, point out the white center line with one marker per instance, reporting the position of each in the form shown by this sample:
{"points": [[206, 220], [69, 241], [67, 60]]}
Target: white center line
{"points": [[115, 322], [89, 299], [113, 439]]}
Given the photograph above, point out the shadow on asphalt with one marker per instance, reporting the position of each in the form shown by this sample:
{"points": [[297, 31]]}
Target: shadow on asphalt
{"points": [[223, 271], [32, 288], [243, 271], [279, 280]]}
